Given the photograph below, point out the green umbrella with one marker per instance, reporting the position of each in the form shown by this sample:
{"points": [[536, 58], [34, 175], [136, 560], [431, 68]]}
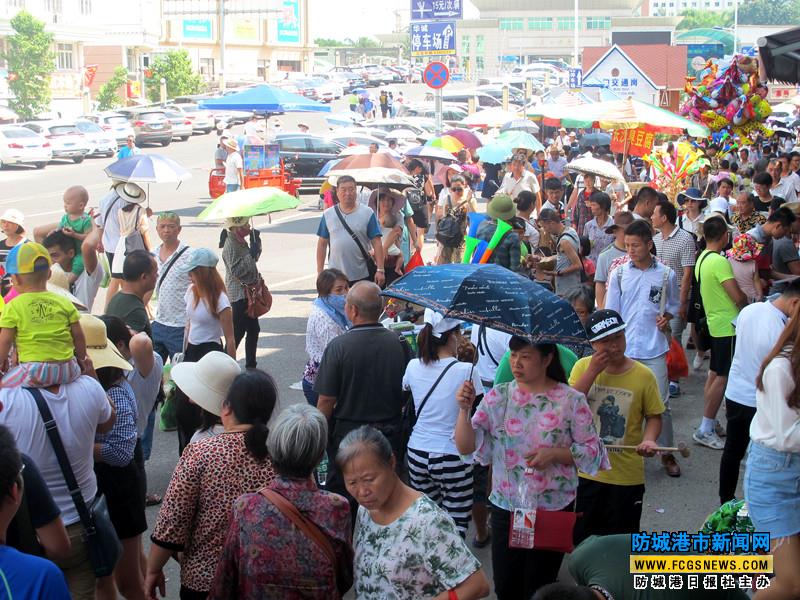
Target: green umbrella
{"points": [[519, 139], [249, 203]]}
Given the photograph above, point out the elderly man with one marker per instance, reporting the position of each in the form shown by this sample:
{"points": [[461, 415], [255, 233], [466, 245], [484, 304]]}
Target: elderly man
{"points": [[519, 179], [556, 163], [234, 167], [360, 377], [349, 229]]}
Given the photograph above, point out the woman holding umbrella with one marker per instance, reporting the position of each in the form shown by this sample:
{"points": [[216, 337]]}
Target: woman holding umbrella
{"points": [[578, 204]]}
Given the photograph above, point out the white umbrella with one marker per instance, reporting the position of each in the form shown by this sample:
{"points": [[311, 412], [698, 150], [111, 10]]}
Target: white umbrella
{"points": [[375, 175], [595, 166], [490, 117]]}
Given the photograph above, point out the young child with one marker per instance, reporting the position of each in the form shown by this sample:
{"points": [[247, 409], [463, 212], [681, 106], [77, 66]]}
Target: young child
{"points": [[76, 224], [588, 264], [742, 257], [51, 347]]}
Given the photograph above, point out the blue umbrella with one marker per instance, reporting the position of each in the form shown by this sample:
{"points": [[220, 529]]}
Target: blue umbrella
{"points": [[595, 139], [147, 168], [495, 154], [430, 152], [265, 98], [494, 297]]}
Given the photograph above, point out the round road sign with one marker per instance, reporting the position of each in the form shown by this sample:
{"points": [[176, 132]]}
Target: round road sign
{"points": [[436, 75]]}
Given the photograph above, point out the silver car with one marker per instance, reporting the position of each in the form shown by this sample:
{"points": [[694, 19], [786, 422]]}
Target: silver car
{"points": [[115, 124], [101, 142], [202, 120], [66, 140], [181, 125]]}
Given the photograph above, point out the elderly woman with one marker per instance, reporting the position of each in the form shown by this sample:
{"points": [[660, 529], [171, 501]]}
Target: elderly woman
{"points": [[595, 230], [241, 271], [536, 432], [213, 472], [326, 321], [406, 547], [266, 556]]}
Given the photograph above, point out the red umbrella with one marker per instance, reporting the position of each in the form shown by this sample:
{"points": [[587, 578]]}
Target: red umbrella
{"points": [[466, 137], [368, 161]]}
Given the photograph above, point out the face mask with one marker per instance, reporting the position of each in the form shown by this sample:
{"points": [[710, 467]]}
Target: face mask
{"points": [[337, 301]]}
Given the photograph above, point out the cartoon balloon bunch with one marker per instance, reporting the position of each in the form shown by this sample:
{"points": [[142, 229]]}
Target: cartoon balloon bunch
{"points": [[670, 171], [729, 98]]}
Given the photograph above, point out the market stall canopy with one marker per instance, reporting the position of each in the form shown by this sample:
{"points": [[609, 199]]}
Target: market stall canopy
{"points": [[780, 56], [634, 114], [265, 98]]}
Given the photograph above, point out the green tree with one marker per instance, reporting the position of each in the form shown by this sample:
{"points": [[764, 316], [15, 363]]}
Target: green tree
{"points": [[328, 42], [698, 19], [769, 12], [362, 42], [107, 95], [176, 68], [31, 60]]}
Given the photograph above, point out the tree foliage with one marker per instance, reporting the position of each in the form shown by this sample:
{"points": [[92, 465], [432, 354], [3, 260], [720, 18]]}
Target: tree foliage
{"points": [[175, 67], [769, 12], [698, 19], [363, 42], [328, 42], [107, 95], [31, 60]]}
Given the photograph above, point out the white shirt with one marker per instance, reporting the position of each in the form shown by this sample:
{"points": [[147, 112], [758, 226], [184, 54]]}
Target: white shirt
{"points": [[639, 304], [253, 128], [145, 389], [87, 284], [171, 290], [776, 425], [691, 225], [204, 327], [490, 351], [513, 186], [78, 408], [232, 165], [785, 189], [108, 219], [436, 423], [758, 328]]}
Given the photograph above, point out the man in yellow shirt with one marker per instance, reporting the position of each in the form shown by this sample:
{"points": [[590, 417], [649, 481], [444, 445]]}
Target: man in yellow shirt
{"points": [[623, 395]]}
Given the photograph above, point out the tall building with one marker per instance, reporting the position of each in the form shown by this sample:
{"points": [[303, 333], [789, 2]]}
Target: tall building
{"points": [[670, 8]]}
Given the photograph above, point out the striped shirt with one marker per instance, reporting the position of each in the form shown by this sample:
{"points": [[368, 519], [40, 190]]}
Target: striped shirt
{"points": [[677, 251], [118, 444]]}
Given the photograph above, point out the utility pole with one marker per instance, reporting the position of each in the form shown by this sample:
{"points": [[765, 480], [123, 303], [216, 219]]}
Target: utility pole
{"points": [[575, 55], [221, 21]]}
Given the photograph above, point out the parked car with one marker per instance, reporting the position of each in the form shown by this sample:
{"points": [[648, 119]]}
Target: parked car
{"points": [[389, 125], [66, 140], [482, 100], [101, 142], [304, 155], [114, 123], [336, 82], [515, 95], [21, 145], [347, 79], [150, 125], [202, 120], [356, 140], [181, 126], [451, 114]]}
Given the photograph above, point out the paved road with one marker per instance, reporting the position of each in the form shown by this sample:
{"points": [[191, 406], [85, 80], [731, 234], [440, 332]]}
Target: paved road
{"points": [[288, 266]]}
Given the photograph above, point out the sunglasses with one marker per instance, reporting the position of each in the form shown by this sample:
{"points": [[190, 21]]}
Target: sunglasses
{"points": [[456, 190]]}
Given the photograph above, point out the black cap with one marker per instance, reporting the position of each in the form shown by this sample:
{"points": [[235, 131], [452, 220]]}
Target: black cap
{"points": [[603, 323]]}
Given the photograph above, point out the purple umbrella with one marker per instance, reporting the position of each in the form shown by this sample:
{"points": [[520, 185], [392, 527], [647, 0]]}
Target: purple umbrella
{"points": [[466, 137]]}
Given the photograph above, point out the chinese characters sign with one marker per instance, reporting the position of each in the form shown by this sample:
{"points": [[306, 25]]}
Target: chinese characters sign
{"points": [[289, 22], [575, 78], [639, 141], [425, 10], [433, 38]]}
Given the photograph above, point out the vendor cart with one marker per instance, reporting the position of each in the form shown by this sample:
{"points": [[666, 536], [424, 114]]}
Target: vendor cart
{"points": [[263, 166]]}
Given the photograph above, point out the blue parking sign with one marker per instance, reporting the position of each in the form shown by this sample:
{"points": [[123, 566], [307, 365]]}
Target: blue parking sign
{"points": [[433, 38], [427, 10], [575, 78]]}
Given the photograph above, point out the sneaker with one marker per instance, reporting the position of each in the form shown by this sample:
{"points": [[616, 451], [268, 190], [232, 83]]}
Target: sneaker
{"points": [[719, 429], [709, 440], [697, 362], [674, 389]]}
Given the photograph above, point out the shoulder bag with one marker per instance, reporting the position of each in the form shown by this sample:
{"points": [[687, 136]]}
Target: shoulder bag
{"points": [[168, 267], [259, 298], [344, 578], [372, 268], [410, 414], [697, 311], [102, 544], [450, 228]]}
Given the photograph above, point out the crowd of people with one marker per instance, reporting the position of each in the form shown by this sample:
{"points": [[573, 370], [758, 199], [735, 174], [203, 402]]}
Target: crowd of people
{"points": [[375, 481]]}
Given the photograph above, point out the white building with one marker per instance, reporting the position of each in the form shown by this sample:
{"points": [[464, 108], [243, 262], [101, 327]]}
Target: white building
{"points": [[671, 8]]}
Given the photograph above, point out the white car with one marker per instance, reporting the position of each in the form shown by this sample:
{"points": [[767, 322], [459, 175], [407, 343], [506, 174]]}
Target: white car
{"points": [[115, 124], [203, 121], [20, 145], [182, 127], [101, 142], [67, 141]]}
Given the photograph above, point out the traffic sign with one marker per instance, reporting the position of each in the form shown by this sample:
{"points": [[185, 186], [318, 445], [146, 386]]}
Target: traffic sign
{"points": [[436, 75], [433, 38], [431, 10], [575, 78]]}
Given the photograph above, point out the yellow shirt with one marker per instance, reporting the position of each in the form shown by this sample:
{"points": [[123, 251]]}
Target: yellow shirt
{"points": [[42, 321], [619, 404]]}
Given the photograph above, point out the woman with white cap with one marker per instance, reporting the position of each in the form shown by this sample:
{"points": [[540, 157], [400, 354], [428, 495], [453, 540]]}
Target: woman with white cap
{"points": [[213, 472], [12, 224], [434, 464], [240, 271]]}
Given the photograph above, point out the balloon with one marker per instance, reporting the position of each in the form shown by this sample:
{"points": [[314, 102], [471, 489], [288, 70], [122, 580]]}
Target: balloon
{"points": [[475, 219], [499, 233], [476, 257], [470, 243]]}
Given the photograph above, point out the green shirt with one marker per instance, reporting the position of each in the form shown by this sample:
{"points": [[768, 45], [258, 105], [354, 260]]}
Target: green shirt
{"points": [[82, 224], [712, 270], [130, 309], [42, 321], [503, 374]]}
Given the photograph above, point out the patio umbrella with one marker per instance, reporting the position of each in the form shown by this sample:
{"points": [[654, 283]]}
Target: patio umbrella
{"points": [[147, 168], [393, 178], [328, 166], [466, 137], [249, 203], [595, 139], [496, 153], [490, 117], [492, 296], [431, 153], [521, 125], [369, 161], [446, 142], [633, 114], [344, 119], [595, 166], [265, 98], [520, 139]]}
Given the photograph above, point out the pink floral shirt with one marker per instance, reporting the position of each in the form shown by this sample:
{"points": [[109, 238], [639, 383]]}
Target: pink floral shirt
{"points": [[511, 423]]}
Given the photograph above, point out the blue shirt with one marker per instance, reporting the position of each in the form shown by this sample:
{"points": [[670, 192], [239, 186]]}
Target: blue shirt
{"points": [[26, 577], [125, 151]]}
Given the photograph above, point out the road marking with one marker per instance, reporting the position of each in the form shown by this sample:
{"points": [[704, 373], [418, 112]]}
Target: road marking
{"points": [[293, 280]]}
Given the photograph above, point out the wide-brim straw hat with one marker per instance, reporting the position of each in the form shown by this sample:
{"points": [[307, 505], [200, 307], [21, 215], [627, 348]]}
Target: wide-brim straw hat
{"points": [[99, 348], [207, 381]]}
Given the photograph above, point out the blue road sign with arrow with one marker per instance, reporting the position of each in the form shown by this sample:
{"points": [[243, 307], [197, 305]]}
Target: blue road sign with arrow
{"points": [[428, 10]]}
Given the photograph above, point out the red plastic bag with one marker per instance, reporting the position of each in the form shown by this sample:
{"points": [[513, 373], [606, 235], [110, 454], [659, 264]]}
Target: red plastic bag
{"points": [[413, 262], [677, 365]]}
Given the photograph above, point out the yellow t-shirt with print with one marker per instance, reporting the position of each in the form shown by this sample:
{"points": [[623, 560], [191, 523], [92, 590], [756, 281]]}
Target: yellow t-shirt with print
{"points": [[42, 321], [619, 404]]}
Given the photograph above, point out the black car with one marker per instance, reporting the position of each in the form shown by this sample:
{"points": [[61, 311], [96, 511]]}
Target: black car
{"points": [[304, 156]]}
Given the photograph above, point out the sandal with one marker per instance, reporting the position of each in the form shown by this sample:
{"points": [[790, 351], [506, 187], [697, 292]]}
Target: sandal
{"points": [[153, 500], [476, 543]]}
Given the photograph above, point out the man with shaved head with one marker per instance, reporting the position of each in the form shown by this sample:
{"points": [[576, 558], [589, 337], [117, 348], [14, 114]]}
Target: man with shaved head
{"points": [[360, 377]]}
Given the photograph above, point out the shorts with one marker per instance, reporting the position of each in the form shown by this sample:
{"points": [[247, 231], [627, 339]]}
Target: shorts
{"points": [[110, 257], [420, 217], [607, 508], [42, 374], [480, 484], [123, 488], [771, 480], [722, 355]]}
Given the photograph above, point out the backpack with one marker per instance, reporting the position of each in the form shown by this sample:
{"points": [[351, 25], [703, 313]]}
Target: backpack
{"points": [[415, 198], [450, 228]]}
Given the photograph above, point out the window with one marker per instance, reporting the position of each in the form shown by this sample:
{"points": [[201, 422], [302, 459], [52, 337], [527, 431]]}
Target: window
{"points": [[293, 145], [511, 24], [566, 23], [86, 7], [479, 45], [540, 23], [262, 66], [598, 22], [207, 67], [64, 57], [53, 6], [479, 64], [324, 147], [16, 3], [465, 45]]}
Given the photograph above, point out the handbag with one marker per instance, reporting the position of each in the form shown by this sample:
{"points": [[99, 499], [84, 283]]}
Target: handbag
{"points": [[372, 268], [102, 544], [342, 574], [259, 298], [410, 415], [553, 530]]}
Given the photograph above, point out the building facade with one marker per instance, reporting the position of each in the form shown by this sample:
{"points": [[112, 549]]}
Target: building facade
{"points": [[671, 8]]}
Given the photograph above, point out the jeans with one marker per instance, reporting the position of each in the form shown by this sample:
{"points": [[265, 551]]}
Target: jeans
{"points": [[245, 326], [310, 394], [231, 187], [188, 415], [658, 366], [167, 340], [737, 438]]}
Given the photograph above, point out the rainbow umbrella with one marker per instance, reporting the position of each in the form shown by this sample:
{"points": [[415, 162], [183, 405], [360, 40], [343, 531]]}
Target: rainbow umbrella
{"points": [[446, 142], [466, 137]]}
